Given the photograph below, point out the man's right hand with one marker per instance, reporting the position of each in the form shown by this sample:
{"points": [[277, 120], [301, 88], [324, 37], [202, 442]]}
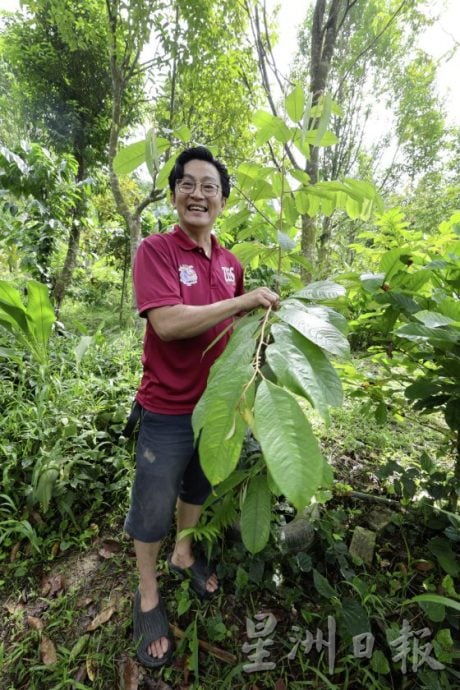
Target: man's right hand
{"points": [[260, 297]]}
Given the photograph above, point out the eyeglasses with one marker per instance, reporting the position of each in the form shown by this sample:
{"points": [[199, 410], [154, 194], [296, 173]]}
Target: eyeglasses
{"points": [[188, 187]]}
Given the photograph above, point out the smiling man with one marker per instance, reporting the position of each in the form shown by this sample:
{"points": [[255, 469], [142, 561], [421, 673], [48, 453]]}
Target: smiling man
{"points": [[189, 289]]}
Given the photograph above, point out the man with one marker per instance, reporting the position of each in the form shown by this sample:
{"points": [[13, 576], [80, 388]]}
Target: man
{"points": [[189, 289]]}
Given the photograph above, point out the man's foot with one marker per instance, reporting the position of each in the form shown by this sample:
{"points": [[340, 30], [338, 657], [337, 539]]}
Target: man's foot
{"points": [[151, 632], [202, 576]]}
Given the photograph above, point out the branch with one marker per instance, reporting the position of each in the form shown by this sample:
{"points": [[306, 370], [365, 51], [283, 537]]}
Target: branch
{"points": [[251, 203], [371, 44], [155, 195]]}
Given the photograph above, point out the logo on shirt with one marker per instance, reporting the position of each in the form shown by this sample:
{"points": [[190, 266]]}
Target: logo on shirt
{"points": [[187, 275], [229, 275]]}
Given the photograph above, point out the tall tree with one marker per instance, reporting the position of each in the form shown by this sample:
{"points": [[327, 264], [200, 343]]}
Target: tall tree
{"points": [[361, 53], [58, 52], [202, 83]]}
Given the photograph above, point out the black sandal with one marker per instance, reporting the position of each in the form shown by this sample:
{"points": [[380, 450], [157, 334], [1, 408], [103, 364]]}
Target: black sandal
{"points": [[149, 626], [198, 573]]}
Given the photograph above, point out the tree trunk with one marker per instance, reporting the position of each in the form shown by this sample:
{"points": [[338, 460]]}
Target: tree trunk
{"points": [[323, 40], [65, 278]]}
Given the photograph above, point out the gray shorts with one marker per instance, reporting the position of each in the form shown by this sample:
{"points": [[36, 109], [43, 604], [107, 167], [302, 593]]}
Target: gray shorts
{"points": [[167, 467]]}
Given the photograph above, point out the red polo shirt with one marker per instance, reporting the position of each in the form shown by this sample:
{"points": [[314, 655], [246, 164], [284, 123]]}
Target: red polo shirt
{"points": [[171, 269]]}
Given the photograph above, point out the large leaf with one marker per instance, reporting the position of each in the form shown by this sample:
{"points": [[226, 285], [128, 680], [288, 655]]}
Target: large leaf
{"points": [[320, 332], [40, 312], [433, 319], [441, 337], [222, 437], [289, 447], [295, 103], [354, 617], [129, 158], [162, 179], [322, 289], [11, 304], [255, 515], [304, 369], [217, 414]]}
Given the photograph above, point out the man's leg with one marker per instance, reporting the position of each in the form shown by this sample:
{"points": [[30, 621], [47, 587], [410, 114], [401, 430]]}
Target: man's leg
{"points": [[147, 555], [188, 516]]}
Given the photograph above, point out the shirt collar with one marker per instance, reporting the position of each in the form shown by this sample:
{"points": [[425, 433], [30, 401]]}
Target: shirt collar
{"points": [[186, 242]]}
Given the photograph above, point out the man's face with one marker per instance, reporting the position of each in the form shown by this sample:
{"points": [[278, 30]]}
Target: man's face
{"points": [[198, 210]]}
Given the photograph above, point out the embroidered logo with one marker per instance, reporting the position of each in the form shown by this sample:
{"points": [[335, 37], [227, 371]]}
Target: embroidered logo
{"points": [[187, 275], [229, 274]]}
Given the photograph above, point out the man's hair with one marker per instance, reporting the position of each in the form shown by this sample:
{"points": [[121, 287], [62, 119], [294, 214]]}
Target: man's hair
{"points": [[200, 153]]}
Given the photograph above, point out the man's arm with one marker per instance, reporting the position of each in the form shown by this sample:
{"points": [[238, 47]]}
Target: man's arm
{"points": [[182, 321]]}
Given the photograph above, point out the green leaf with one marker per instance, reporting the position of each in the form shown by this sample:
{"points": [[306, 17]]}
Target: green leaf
{"points": [[303, 368], [290, 210], [252, 181], [326, 139], [255, 515], [269, 126], [434, 599], [295, 103], [40, 312], [82, 346], [217, 413], [435, 612], [151, 153], [289, 447], [129, 158], [422, 388], [12, 306], [322, 586], [222, 436], [441, 548], [441, 337], [322, 289], [391, 263], [183, 133], [285, 242], [433, 319], [320, 332], [162, 179], [354, 617], [379, 662]]}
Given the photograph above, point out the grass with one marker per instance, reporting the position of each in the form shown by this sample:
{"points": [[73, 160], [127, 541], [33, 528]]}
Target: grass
{"points": [[301, 588]]}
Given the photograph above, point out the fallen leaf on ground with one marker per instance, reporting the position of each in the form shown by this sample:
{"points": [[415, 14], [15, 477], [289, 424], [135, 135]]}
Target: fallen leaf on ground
{"points": [[280, 684], [109, 548], [52, 585], [80, 674], [55, 549], [101, 618], [91, 668], [15, 551], [129, 674], [13, 607], [423, 566], [35, 623], [83, 602], [48, 651]]}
